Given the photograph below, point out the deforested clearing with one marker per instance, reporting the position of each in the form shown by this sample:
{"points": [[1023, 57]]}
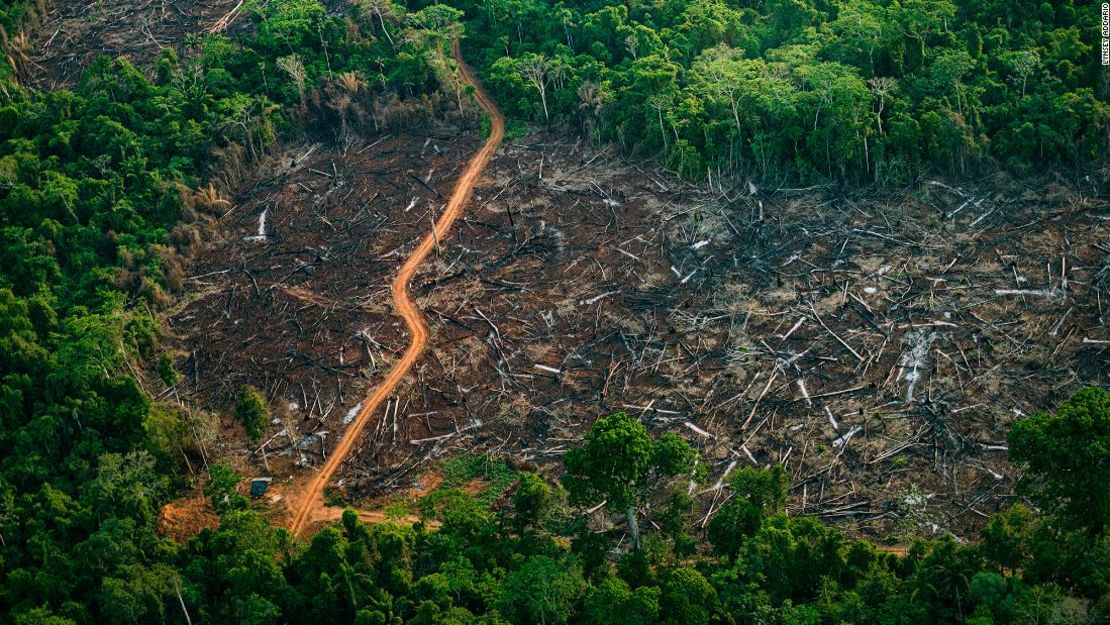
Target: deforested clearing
{"points": [[869, 341]]}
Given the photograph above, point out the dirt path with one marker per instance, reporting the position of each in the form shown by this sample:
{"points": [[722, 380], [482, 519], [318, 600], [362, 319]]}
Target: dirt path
{"points": [[313, 496]]}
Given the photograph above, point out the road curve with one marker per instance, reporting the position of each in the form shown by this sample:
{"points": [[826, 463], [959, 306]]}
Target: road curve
{"points": [[313, 497]]}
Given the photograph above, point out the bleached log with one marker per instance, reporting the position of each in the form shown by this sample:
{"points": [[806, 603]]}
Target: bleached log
{"points": [[843, 440], [1031, 292], [596, 298], [834, 335], [748, 453], [805, 393], [698, 430]]}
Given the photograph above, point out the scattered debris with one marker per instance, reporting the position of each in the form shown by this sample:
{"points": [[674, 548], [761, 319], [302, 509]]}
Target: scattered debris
{"points": [[857, 339]]}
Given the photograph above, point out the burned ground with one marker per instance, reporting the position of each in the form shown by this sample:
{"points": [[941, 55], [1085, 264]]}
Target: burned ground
{"points": [[877, 344]]}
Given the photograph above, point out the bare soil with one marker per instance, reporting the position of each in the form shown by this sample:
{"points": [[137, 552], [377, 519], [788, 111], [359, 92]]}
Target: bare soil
{"points": [[878, 344], [185, 518]]}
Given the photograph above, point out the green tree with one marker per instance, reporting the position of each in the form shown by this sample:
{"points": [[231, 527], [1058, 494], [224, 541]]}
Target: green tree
{"points": [[167, 372], [536, 70], [687, 598], [436, 26], [41, 616], [221, 488], [621, 465], [531, 501], [542, 590], [757, 493], [612, 602], [1066, 458], [288, 22], [674, 522], [1006, 537], [252, 411]]}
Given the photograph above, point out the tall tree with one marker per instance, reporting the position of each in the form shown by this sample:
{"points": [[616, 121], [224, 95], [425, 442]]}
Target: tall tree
{"points": [[536, 70], [757, 493], [543, 590], [621, 465]]}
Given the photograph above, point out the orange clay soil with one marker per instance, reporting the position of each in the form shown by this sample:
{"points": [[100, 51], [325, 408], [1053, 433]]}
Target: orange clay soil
{"points": [[311, 499]]}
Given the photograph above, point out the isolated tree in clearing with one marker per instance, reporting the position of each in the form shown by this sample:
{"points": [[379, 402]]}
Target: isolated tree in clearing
{"points": [[620, 465], [251, 410]]}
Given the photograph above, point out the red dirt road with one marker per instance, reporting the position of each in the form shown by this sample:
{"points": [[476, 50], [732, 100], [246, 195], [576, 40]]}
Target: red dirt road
{"points": [[313, 496]]}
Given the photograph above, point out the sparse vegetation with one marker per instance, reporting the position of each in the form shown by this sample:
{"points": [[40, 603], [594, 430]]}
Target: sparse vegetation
{"points": [[490, 476]]}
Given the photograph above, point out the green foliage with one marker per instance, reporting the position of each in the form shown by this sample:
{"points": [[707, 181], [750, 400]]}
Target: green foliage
{"points": [[686, 598], [397, 510], [288, 22], [620, 464], [166, 370], [467, 467], [252, 411], [674, 522], [612, 602], [1064, 455], [541, 590], [1006, 537], [856, 90], [532, 500], [221, 488], [757, 493]]}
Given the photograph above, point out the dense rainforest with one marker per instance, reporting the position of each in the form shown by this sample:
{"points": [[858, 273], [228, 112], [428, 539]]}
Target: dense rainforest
{"points": [[106, 192], [856, 90]]}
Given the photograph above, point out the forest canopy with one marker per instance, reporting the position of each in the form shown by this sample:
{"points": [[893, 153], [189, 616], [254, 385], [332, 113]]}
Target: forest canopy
{"points": [[853, 90]]}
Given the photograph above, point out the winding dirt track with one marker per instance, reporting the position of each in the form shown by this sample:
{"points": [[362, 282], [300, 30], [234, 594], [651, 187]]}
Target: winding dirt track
{"points": [[313, 496]]}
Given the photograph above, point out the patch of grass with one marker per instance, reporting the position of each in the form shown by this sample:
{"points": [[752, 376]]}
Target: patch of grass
{"points": [[464, 468], [397, 510]]}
